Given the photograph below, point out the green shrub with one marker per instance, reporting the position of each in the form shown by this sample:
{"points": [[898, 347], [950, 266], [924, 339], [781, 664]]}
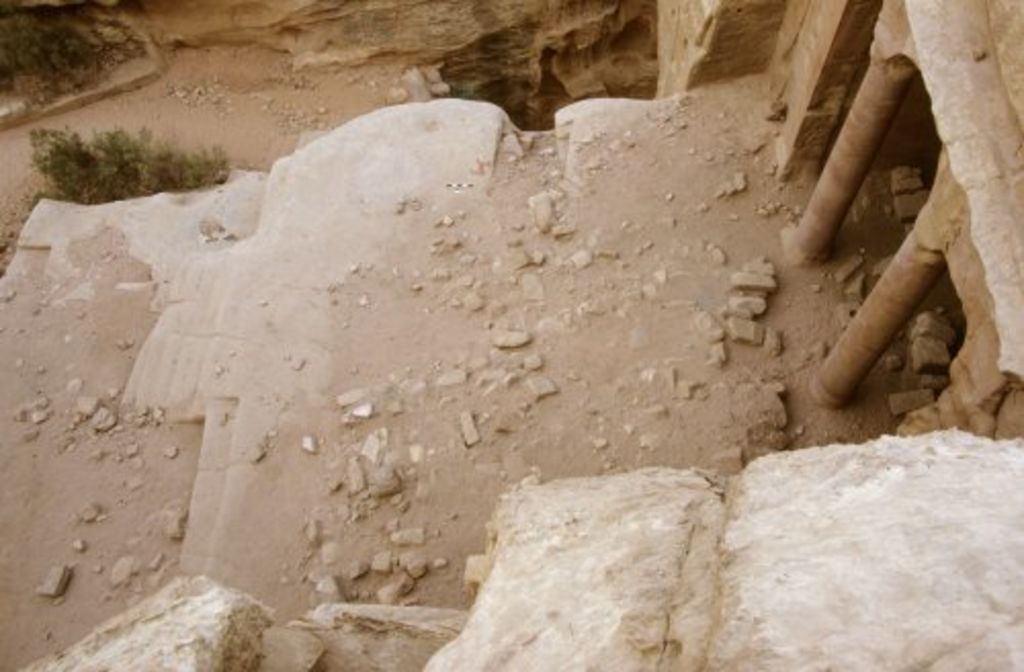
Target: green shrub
{"points": [[46, 47], [115, 165]]}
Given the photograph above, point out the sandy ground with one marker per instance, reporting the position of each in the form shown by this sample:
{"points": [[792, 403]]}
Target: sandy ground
{"points": [[248, 101], [634, 388]]}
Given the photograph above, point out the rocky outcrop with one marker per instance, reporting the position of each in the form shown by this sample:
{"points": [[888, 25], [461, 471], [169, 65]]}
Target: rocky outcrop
{"points": [[530, 57], [703, 41], [624, 564], [371, 637], [842, 557], [974, 92], [197, 625], [852, 557], [192, 624]]}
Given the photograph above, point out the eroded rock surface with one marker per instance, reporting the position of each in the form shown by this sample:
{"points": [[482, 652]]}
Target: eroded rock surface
{"points": [[601, 573], [192, 624], [531, 57], [900, 553], [370, 637], [891, 554]]}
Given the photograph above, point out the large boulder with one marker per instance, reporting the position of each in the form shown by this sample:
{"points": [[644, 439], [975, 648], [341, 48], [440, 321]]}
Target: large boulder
{"points": [[192, 624], [887, 555], [901, 553], [609, 573]]}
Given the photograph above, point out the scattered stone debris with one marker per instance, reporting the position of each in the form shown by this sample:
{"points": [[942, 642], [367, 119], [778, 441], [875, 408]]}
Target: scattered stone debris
{"points": [[901, 403], [908, 193], [582, 259], [930, 338], [928, 355], [748, 307], [541, 387], [358, 569], [310, 444], [103, 420], [124, 569], [931, 324], [410, 536], [746, 331], [754, 282], [56, 581], [383, 481], [355, 478], [86, 407], [327, 590], [375, 445], [174, 519], [736, 185], [351, 398], [543, 208], [331, 553], [905, 180], [414, 563], [467, 425], [390, 592], [382, 562], [718, 356], [937, 382], [773, 342], [363, 411], [91, 513], [708, 327], [893, 362], [451, 378], [510, 339]]}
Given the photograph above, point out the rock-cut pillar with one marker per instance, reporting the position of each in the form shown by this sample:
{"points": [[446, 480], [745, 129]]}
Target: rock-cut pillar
{"points": [[907, 280], [877, 102]]}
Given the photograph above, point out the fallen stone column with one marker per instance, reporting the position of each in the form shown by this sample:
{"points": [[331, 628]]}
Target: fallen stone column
{"points": [[906, 282], [878, 100]]}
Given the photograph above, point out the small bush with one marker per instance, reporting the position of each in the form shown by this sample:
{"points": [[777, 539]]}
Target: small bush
{"points": [[115, 165], [48, 48]]}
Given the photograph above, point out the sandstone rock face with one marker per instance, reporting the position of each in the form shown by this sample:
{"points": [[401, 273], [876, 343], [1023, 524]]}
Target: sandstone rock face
{"points": [[902, 553], [601, 573], [971, 65], [702, 41], [529, 56], [192, 624], [889, 555], [975, 80], [370, 637]]}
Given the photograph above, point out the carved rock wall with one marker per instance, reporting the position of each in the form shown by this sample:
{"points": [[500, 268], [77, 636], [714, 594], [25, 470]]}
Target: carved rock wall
{"points": [[529, 56], [703, 41]]}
